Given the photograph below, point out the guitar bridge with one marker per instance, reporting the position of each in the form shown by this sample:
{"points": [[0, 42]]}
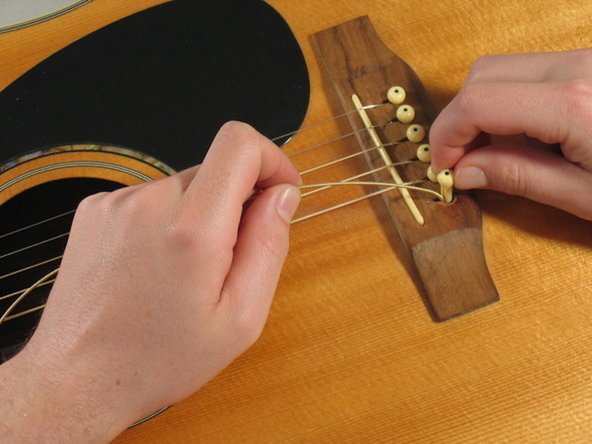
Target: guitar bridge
{"points": [[443, 240]]}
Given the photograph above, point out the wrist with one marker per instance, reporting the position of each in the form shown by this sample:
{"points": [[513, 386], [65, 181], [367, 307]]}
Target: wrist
{"points": [[45, 401]]}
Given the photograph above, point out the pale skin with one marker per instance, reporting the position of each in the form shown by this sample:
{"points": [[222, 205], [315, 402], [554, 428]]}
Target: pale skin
{"points": [[201, 262], [545, 97], [161, 287]]}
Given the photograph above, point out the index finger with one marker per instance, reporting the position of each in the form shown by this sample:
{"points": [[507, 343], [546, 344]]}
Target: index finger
{"points": [[239, 159], [530, 67], [509, 108]]}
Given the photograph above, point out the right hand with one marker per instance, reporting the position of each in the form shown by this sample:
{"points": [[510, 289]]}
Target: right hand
{"points": [[546, 97]]}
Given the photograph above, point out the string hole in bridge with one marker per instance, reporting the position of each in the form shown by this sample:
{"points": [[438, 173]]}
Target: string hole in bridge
{"points": [[440, 201]]}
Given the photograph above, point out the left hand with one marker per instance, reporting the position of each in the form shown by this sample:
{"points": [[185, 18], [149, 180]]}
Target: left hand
{"points": [[162, 285]]}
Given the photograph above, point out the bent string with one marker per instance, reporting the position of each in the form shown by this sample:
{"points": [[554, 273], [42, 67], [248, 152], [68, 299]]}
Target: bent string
{"points": [[313, 188]]}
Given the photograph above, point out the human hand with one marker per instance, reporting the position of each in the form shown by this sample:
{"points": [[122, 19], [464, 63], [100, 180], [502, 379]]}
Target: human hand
{"points": [[548, 98], [161, 286]]}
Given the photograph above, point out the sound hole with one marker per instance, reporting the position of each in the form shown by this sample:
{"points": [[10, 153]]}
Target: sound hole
{"points": [[33, 235]]}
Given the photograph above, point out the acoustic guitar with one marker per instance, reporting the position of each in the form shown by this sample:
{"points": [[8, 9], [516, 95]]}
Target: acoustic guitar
{"points": [[357, 347]]}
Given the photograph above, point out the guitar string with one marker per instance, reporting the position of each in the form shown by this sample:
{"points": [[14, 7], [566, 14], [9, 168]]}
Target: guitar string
{"points": [[357, 176], [325, 121], [26, 293], [323, 185], [387, 186], [344, 158], [37, 223], [18, 230], [16, 293], [25, 312], [316, 188], [304, 172], [30, 267], [308, 148], [36, 244], [292, 154], [319, 187]]}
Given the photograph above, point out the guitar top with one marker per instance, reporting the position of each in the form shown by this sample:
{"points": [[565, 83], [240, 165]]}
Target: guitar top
{"points": [[350, 353]]}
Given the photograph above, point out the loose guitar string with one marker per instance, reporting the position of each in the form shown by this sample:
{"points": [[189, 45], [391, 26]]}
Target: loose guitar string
{"points": [[335, 139], [301, 151], [25, 294], [316, 188], [30, 267], [304, 172], [36, 244], [324, 121], [15, 293], [37, 223], [387, 187], [320, 186], [357, 176], [274, 139]]}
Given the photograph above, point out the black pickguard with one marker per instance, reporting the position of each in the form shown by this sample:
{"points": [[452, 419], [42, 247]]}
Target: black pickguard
{"points": [[162, 82], [159, 82]]}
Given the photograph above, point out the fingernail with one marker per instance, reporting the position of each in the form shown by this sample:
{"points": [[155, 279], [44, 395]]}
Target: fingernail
{"points": [[469, 177], [288, 202]]}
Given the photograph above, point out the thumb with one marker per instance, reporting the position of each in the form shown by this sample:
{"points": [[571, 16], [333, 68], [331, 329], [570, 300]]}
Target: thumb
{"points": [[258, 257], [537, 174]]}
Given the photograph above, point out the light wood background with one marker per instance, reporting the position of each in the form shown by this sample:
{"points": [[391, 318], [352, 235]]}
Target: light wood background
{"points": [[349, 353]]}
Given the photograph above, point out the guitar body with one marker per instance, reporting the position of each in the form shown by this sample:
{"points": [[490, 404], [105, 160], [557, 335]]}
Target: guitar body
{"points": [[350, 353], [128, 104]]}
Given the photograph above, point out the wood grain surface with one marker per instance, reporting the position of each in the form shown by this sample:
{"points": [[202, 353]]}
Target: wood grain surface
{"points": [[349, 353], [446, 248]]}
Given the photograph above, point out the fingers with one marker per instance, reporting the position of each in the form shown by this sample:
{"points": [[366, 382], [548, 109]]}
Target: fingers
{"points": [[241, 156], [529, 172], [239, 159], [259, 255], [535, 109], [545, 96], [185, 177], [534, 67]]}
